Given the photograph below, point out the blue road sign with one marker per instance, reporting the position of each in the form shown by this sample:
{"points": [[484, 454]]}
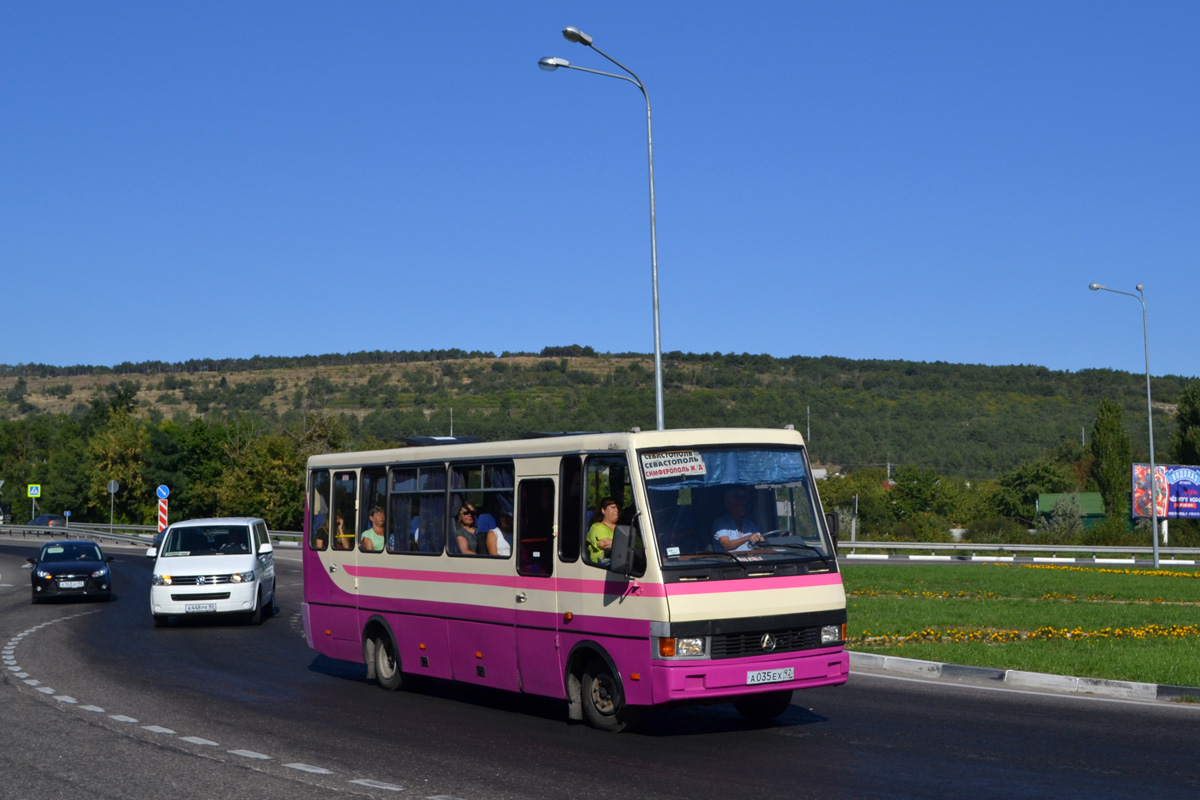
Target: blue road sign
{"points": [[163, 491]]}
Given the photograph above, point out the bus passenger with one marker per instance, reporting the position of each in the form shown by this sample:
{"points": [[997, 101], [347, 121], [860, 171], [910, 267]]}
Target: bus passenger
{"points": [[735, 531], [466, 535], [499, 539], [372, 537], [342, 538], [599, 536]]}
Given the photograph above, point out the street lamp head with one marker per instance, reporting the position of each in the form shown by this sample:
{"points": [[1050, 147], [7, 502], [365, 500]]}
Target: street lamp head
{"points": [[1140, 287], [550, 64], [576, 35], [1095, 286]]}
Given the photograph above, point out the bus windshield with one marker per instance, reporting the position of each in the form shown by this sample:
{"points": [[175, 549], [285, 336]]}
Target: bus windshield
{"points": [[751, 504]]}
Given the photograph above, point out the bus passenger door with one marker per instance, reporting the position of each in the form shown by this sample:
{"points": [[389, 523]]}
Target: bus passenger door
{"points": [[340, 563], [538, 659]]}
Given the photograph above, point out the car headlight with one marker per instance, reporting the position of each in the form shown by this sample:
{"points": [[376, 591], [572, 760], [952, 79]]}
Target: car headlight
{"points": [[160, 580], [832, 634], [683, 647], [41, 573], [242, 577], [100, 573]]}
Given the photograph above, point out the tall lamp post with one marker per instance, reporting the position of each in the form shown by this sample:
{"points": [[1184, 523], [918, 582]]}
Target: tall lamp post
{"points": [[1141, 298], [550, 64]]}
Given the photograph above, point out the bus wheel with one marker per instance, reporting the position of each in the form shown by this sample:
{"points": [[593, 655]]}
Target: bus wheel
{"points": [[762, 708], [604, 699], [387, 666]]}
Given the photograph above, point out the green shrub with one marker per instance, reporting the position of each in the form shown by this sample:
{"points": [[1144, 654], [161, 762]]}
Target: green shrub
{"points": [[923, 527], [998, 530]]}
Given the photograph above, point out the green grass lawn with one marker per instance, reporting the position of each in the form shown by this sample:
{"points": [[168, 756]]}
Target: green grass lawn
{"points": [[1135, 624]]}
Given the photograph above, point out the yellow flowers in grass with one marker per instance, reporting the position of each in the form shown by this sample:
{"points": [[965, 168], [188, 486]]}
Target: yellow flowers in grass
{"points": [[1045, 633]]}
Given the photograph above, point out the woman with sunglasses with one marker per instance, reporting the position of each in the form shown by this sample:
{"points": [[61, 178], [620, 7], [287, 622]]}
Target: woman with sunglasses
{"points": [[465, 532]]}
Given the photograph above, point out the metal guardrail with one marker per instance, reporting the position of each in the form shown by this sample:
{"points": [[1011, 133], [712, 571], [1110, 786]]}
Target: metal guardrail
{"points": [[121, 534], [976, 549]]}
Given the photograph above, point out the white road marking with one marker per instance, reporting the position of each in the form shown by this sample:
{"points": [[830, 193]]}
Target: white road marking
{"points": [[248, 754], [9, 659], [198, 740], [309, 768], [391, 787]]}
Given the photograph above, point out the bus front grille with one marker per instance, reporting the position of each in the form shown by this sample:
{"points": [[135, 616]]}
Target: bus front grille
{"points": [[739, 645]]}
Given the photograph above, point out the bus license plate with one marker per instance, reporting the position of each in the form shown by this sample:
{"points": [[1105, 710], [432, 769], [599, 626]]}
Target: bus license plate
{"points": [[770, 675], [70, 584], [199, 608]]}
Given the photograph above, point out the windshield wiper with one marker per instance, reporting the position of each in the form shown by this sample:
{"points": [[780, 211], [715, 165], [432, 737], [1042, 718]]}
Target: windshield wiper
{"points": [[728, 555], [800, 546]]}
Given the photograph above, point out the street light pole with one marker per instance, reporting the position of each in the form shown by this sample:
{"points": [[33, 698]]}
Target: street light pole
{"points": [[550, 64], [1141, 298]]}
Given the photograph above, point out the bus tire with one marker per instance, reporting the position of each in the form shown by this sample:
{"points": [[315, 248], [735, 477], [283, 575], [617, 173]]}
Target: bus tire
{"points": [[387, 665], [760, 709], [604, 699]]}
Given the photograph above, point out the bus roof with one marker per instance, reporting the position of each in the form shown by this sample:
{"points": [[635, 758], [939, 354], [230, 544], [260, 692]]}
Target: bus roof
{"points": [[569, 443]]}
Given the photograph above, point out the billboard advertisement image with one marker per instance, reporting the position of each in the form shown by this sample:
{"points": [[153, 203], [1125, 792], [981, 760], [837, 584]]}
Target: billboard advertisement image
{"points": [[1178, 491]]}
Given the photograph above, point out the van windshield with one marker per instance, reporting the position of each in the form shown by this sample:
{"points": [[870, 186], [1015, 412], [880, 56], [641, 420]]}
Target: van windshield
{"points": [[752, 504], [207, 540]]}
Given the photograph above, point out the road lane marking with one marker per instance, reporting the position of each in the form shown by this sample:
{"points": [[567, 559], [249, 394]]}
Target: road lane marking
{"points": [[391, 787], [249, 754], [309, 768], [121, 718], [198, 740], [157, 729]]}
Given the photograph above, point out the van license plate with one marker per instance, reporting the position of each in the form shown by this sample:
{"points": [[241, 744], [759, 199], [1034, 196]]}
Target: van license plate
{"points": [[200, 608], [70, 584], [770, 675]]}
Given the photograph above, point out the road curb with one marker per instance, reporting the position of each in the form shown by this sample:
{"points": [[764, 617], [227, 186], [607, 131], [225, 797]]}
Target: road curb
{"points": [[1128, 690]]}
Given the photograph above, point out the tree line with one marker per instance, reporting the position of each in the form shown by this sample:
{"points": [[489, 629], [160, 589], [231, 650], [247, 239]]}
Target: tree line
{"points": [[966, 444]]}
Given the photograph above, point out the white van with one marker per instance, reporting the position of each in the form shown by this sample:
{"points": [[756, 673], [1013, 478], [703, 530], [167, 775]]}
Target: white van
{"points": [[213, 566]]}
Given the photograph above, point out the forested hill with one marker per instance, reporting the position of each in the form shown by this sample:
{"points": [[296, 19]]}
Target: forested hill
{"points": [[965, 420]]}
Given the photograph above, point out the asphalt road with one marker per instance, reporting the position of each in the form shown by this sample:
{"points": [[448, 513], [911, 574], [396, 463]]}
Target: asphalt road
{"points": [[96, 702]]}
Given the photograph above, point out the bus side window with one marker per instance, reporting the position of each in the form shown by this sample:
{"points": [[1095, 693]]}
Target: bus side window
{"points": [[345, 493], [535, 527], [570, 523], [318, 509]]}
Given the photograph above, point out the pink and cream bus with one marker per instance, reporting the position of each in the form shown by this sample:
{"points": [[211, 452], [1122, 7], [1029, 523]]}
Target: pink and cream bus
{"points": [[617, 571]]}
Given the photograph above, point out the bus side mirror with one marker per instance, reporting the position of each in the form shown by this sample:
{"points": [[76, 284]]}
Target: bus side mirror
{"points": [[621, 554], [834, 523]]}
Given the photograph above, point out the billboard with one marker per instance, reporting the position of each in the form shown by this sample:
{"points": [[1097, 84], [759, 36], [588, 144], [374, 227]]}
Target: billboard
{"points": [[1178, 491]]}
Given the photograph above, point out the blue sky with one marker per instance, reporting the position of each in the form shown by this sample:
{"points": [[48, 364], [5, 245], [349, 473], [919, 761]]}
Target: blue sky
{"points": [[930, 181]]}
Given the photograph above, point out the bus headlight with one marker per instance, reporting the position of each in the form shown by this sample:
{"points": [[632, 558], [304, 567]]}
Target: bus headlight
{"points": [[831, 634], [683, 647]]}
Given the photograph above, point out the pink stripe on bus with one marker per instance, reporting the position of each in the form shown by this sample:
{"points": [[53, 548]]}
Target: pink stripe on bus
{"points": [[613, 585]]}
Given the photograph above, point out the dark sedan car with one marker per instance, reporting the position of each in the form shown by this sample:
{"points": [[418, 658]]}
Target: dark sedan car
{"points": [[50, 520], [71, 569]]}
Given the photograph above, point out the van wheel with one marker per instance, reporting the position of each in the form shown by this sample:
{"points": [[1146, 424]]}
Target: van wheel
{"points": [[160, 620], [255, 617], [604, 700], [762, 708], [387, 665]]}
